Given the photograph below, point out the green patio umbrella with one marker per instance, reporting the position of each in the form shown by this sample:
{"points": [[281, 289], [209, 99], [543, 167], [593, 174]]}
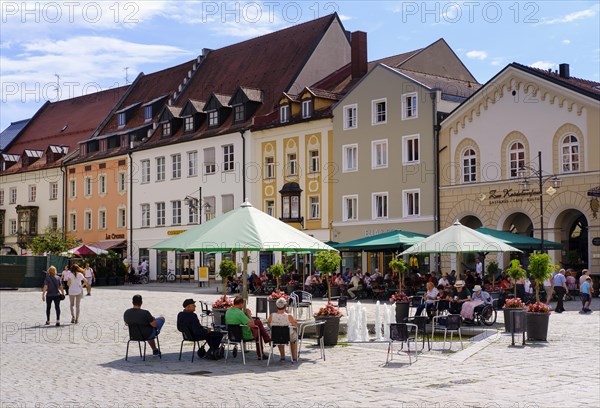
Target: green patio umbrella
{"points": [[391, 240], [519, 241], [243, 229]]}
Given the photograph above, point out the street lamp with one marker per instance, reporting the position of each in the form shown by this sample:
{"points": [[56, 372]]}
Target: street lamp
{"points": [[524, 183], [196, 205]]}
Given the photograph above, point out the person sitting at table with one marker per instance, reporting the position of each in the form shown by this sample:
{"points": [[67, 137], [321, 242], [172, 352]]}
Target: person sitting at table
{"points": [[338, 280], [459, 296], [471, 279], [479, 299], [252, 329], [443, 280], [188, 318], [354, 286], [282, 318], [429, 299]]}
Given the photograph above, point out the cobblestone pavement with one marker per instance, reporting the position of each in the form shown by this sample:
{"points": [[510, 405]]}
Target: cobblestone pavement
{"points": [[83, 365]]}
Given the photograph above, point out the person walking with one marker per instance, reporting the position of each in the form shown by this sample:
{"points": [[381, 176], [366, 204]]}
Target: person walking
{"points": [[586, 295], [90, 277], [51, 293], [560, 289], [64, 277], [76, 291]]}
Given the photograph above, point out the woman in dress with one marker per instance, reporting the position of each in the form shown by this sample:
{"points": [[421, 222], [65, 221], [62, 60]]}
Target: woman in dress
{"points": [[76, 282], [282, 318], [51, 292]]}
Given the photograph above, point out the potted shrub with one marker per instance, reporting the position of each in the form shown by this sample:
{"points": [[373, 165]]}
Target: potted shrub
{"points": [[331, 315], [538, 314], [276, 270], [402, 302], [492, 270], [509, 306], [516, 273], [398, 266], [327, 262], [219, 307], [227, 270], [272, 298]]}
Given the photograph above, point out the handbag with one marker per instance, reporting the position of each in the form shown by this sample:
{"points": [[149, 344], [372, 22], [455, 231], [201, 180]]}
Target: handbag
{"points": [[60, 295]]}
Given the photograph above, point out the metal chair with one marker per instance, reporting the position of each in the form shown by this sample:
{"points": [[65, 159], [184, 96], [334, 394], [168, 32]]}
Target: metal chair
{"points": [[205, 313], [320, 336], [187, 336], [235, 336], [262, 306], [453, 324], [415, 301], [280, 336], [137, 334], [401, 332], [304, 302], [421, 323], [343, 302]]}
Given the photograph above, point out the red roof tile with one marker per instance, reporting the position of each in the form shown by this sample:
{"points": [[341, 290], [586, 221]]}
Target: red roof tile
{"points": [[584, 85]]}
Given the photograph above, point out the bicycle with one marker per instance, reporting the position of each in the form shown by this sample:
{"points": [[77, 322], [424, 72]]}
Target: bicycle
{"points": [[166, 277]]}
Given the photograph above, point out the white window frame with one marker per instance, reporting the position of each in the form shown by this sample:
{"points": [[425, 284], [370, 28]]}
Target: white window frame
{"points": [[72, 221], [121, 217], [102, 219], [409, 199], [270, 207], [147, 113], [145, 168], [408, 144], [468, 166], [193, 214], [210, 167], [345, 213], [166, 129], [145, 212], [87, 220], [384, 196], [375, 115], [239, 113], [176, 212], [12, 226], [53, 222], [269, 167], [2, 196], [315, 161], [175, 166], [188, 124], [87, 186], [192, 163], [225, 198], [519, 161], [12, 195], [213, 118], [383, 143], [412, 111], [32, 193], [161, 168], [210, 207], [292, 164], [122, 181], [161, 213], [350, 117], [284, 113], [314, 207], [72, 188], [573, 150], [306, 109], [121, 119], [228, 157], [345, 166], [102, 184]]}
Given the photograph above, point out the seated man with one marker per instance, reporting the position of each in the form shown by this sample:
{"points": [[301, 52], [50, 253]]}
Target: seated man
{"points": [[355, 284], [189, 319], [150, 326], [459, 296], [250, 328]]}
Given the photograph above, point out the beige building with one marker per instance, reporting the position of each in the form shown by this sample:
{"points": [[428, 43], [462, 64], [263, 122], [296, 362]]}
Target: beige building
{"points": [[521, 117]]}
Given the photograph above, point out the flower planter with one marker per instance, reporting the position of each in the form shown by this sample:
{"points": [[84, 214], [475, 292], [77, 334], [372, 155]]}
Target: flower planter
{"points": [[507, 320], [402, 310], [331, 331], [537, 326]]}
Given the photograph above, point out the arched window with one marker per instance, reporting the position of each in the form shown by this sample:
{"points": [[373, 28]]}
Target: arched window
{"points": [[469, 166], [570, 154], [516, 158]]}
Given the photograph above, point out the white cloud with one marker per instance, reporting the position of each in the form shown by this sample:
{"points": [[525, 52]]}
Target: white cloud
{"points": [[575, 16], [496, 62], [344, 17], [566, 42], [543, 64], [480, 55]]}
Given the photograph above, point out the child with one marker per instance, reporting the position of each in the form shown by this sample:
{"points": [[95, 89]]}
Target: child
{"points": [[586, 295]]}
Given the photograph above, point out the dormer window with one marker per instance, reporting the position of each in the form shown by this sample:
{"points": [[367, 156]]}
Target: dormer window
{"points": [[284, 113], [121, 119], [239, 113], [148, 113], [188, 123], [306, 109], [166, 129], [213, 118]]}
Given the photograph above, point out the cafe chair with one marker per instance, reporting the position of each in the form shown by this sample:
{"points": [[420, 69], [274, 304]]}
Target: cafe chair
{"points": [[343, 302], [136, 334], [205, 313], [304, 301], [453, 325], [421, 323], [280, 336], [187, 336], [235, 337], [262, 306], [402, 333], [319, 333]]}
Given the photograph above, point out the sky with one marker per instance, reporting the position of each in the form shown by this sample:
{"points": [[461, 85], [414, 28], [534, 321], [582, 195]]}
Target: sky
{"points": [[62, 49]]}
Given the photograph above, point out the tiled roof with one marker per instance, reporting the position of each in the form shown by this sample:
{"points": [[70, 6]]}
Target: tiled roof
{"points": [[324, 94], [11, 132], [448, 86], [394, 60], [253, 94], [585, 86]]}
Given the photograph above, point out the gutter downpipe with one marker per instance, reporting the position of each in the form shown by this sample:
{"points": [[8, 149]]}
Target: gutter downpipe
{"points": [[436, 172], [63, 169], [130, 243], [245, 253]]}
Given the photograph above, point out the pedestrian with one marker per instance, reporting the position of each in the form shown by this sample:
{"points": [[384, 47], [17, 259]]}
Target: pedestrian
{"points": [[586, 295], [64, 277], [51, 293], [549, 289], [90, 277], [560, 288], [76, 291]]}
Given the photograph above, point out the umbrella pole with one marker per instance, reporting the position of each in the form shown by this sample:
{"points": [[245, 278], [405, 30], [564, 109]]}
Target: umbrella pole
{"points": [[245, 275]]}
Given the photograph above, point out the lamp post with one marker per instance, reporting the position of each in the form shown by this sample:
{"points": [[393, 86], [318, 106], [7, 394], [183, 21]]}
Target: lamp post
{"points": [[196, 205], [539, 173]]}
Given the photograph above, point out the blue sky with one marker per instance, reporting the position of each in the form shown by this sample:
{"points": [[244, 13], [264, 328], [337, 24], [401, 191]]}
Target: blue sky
{"points": [[95, 45]]}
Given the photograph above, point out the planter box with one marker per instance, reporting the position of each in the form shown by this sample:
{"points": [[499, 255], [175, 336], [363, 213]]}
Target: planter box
{"points": [[402, 311], [335, 291], [537, 326], [507, 320], [331, 331]]}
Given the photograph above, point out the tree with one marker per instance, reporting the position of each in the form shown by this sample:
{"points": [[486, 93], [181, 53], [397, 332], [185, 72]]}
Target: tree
{"points": [[52, 241], [516, 273], [398, 266], [492, 270], [277, 271], [540, 269], [227, 269], [327, 262]]}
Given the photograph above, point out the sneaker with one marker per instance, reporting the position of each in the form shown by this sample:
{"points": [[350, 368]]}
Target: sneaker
{"points": [[89, 294], [282, 359], [234, 352], [294, 361], [263, 357], [72, 320], [47, 323], [76, 321], [58, 323], [156, 352]]}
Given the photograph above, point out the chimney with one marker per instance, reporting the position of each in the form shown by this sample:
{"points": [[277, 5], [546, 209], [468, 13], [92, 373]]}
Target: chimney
{"points": [[563, 70], [358, 42]]}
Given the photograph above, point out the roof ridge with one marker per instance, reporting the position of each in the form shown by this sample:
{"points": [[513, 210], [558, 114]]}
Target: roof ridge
{"points": [[435, 75]]}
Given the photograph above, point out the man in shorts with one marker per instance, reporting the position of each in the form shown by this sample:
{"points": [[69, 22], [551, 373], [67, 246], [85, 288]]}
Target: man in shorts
{"points": [[149, 326]]}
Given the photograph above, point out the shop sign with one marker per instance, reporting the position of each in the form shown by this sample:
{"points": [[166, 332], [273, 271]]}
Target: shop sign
{"points": [[115, 236], [596, 241], [509, 195], [175, 232]]}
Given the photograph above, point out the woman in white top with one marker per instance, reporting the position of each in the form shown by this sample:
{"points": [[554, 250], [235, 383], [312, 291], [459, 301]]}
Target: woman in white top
{"points": [[90, 277], [64, 277], [282, 318], [75, 290]]}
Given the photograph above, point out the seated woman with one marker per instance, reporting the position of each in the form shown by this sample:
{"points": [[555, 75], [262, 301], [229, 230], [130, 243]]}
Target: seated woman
{"points": [[479, 298], [429, 300], [282, 318]]}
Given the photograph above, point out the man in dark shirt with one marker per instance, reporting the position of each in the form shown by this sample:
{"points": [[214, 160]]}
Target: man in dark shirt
{"points": [[149, 326], [189, 319], [459, 296]]}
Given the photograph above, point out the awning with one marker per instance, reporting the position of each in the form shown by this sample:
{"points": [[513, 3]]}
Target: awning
{"points": [[594, 192], [391, 240], [520, 241], [110, 243]]}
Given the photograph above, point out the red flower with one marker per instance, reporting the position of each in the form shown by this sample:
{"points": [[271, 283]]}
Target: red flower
{"points": [[538, 307], [514, 303], [328, 310], [222, 303], [399, 297], [278, 294]]}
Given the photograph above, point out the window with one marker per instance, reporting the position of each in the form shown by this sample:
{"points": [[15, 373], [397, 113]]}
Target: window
{"points": [[193, 214], [176, 213], [188, 123], [350, 117], [469, 166], [121, 218], [145, 171], [12, 227], [176, 166], [570, 154], [270, 207], [53, 191], [122, 181], [209, 161], [209, 207], [380, 205], [72, 190], [53, 222], [227, 201], [12, 195], [409, 106], [379, 111], [160, 168], [410, 149], [213, 118], [166, 129], [87, 220], [121, 119], [228, 164], [87, 186], [269, 167], [239, 113], [102, 219], [315, 208], [350, 210], [160, 214], [291, 207], [145, 215], [516, 158], [192, 164], [102, 184], [306, 109], [412, 203], [350, 158], [147, 112], [2, 199], [379, 151], [292, 165], [315, 164], [284, 114], [32, 193], [73, 221]]}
